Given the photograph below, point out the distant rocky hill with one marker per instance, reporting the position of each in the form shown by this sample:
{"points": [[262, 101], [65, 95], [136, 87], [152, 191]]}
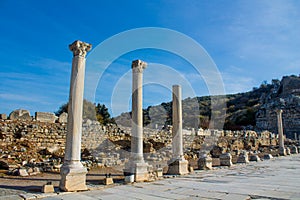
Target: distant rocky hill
{"points": [[250, 110], [285, 95]]}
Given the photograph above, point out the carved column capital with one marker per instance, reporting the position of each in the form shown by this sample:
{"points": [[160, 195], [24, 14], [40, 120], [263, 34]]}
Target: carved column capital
{"points": [[138, 66], [80, 48]]}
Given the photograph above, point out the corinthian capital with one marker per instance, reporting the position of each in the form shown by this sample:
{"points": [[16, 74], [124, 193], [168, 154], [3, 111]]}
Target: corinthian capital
{"points": [[138, 66], [80, 48]]}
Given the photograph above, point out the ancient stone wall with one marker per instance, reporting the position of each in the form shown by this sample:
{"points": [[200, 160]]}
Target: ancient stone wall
{"points": [[286, 98], [44, 134]]}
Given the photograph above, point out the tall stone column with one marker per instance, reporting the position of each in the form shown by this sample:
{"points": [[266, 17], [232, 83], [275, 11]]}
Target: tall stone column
{"points": [[137, 165], [73, 174], [282, 150], [177, 165]]}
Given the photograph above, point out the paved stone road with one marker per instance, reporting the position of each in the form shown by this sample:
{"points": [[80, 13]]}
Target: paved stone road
{"points": [[275, 179]]}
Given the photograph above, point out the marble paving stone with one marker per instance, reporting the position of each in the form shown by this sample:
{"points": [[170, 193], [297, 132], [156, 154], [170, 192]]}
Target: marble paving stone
{"points": [[277, 179]]}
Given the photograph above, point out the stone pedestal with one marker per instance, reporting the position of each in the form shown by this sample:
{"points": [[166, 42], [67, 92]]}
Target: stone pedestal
{"points": [[73, 174], [48, 189], [159, 172], [108, 181], [205, 162], [226, 159], [140, 171], [137, 165], [243, 157], [73, 177], [177, 165]]}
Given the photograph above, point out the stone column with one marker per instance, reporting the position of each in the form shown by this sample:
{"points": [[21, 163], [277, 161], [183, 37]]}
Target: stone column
{"points": [[177, 165], [137, 165], [282, 150], [73, 174]]}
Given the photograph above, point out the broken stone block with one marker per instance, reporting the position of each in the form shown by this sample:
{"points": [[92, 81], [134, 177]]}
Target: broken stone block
{"points": [[226, 159], [178, 167], [159, 172], [294, 149], [20, 115], [45, 117], [268, 156], [48, 188], [23, 172], [205, 162], [108, 181], [243, 157], [254, 158], [3, 116], [63, 118], [129, 178]]}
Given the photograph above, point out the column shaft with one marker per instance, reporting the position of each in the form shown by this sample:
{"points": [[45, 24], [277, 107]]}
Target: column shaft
{"points": [[177, 147], [74, 128], [280, 129], [137, 111], [137, 116]]}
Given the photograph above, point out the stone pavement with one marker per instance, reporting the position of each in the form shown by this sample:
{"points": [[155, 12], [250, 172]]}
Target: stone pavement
{"points": [[275, 179]]}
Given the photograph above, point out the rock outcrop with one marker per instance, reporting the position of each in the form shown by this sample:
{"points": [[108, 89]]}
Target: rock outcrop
{"points": [[285, 96]]}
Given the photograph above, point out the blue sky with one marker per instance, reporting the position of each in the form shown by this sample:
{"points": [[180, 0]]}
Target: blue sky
{"points": [[249, 41]]}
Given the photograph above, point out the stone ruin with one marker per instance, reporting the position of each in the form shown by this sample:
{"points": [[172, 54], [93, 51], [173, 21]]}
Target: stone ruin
{"points": [[31, 145]]}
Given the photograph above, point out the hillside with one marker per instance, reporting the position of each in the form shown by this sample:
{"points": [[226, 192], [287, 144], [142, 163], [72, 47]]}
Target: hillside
{"points": [[241, 109]]}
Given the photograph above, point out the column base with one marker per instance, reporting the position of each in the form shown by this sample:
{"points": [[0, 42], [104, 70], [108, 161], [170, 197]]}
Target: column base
{"points": [[282, 151], [178, 167], [139, 170], [73, 177]]}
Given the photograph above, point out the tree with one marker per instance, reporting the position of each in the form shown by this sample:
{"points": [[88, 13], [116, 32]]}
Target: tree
{"points": [[103, 115], [63, 108]]}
